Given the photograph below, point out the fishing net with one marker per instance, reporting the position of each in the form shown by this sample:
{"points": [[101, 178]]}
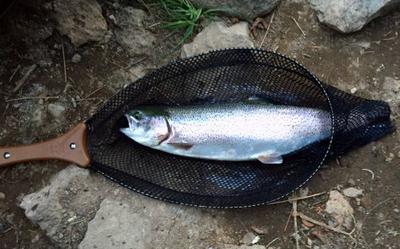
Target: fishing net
{"points": [[228, 76]]}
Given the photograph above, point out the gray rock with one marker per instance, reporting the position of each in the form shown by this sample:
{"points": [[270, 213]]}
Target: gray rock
{"points": [[133, 221], [66, 210], [131, 33], [218, 36], [350, 17], [56, 110], [250, 239], [80, 20], [65, 205], [2, 196], [246, 9], [340, 209], [76, 58], [352, 192]]}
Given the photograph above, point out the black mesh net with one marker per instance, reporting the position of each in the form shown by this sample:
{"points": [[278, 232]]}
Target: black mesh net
{"points": [[227, 76]]}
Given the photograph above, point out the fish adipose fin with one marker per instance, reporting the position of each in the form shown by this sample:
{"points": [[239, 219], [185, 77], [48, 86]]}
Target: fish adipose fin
{"points": [[270, 159]]}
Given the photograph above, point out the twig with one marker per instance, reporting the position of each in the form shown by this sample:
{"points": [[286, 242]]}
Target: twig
{"points": [[145, 5], [6, 231], [271, 242], [92, 93], [64, 64], [288, 221], [2, 14], [297, 24], [135, 63], [154, 24], [376, 206], [296, 230], [321, 224], [23, 79], [31, 98], [5, 110], [267, 31], [5, 93], [371, 172], [13, 74], [298, 198]]}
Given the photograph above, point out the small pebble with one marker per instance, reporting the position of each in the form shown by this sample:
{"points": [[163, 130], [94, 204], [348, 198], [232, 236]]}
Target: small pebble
{"points": [[353, 90], [389, 158], [76, 58], [303, 192], [36, 238], [249, 239], [112, 18], [2, 196], [351, 182], [56, 110], [352, 192]]}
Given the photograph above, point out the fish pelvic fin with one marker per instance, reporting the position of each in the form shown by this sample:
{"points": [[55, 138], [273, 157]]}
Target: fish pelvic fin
{"points": [[183, 146], [270, 159]]}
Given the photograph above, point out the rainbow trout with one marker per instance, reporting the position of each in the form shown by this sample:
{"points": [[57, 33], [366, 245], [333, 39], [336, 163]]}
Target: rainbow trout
{"points": [[251, 130]]}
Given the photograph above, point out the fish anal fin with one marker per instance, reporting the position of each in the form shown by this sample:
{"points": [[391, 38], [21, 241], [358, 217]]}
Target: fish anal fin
{"points": [[184, 146], [270, 159]]}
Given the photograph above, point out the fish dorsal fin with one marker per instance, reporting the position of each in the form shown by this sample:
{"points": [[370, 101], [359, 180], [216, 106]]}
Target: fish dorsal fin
{"points": [[270, 159]]}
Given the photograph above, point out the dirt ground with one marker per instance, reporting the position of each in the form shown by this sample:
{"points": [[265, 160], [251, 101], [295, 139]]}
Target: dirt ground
{"points": [[361, 62]]}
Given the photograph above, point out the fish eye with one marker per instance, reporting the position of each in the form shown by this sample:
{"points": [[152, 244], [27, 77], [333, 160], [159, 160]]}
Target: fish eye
{"points": [[137, 115]]}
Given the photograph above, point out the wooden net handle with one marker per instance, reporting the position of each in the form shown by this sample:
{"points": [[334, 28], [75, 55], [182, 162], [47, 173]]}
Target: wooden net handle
{"points": [[70, 147]]}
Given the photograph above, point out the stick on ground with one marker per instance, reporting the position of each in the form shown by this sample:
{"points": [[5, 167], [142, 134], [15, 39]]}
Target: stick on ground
{"points": [[321, 224], [296, 230], [267, 31], [298, 25], [64, 64], [298, 198], [22, 81]]}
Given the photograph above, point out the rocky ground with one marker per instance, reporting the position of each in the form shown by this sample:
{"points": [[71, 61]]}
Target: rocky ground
{"points": [[54, 74]]}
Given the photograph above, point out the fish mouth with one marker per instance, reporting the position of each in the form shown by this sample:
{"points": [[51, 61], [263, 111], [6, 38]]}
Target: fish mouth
{"points": [[165, 137]]}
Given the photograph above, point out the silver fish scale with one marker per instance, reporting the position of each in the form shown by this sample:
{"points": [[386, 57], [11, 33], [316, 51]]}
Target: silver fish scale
{"points": [[273, 127]]}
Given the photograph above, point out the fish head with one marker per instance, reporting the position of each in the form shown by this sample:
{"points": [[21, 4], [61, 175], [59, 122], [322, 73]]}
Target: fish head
{"points": [[147, 128]]}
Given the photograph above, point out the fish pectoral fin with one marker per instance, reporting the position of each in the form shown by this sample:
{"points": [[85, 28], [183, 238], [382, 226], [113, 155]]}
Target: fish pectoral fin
{"points": [[270, 159], [184, 146]]}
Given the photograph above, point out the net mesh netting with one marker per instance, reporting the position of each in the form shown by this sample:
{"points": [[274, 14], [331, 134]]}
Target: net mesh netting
{"points": [[227, 76]]}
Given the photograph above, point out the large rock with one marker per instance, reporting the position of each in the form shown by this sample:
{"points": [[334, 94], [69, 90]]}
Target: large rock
{"points": [[246, 9], [62, 207], [80, 20], [131, 32], [219, 36], [349, 16], [77, 202], [138, 222]]}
